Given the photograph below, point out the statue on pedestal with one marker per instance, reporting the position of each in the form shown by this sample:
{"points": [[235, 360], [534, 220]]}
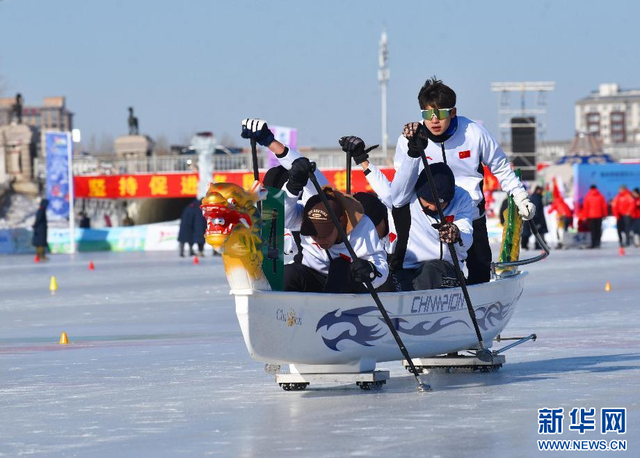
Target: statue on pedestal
{"points": [[133, 123], [17, 108]]}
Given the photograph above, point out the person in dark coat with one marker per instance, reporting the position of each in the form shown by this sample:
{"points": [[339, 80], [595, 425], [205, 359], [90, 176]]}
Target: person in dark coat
{"points": [[40, 230], [538, 219], [199, 227], [85, 221], [185, 234]]}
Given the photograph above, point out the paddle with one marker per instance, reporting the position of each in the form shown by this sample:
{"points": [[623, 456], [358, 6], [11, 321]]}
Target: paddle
{"points": [[343, 235], [254, 160], [484, 354], [348, 172]]}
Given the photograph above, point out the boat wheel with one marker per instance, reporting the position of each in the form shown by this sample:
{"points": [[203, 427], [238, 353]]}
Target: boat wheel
{"points": [[494, 368], [421, 369], [371, 385], [294, 386]]}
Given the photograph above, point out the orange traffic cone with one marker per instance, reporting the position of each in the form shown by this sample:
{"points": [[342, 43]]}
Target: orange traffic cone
{"points": [[91, 266], [64, 340], [607, 287], [621, 251], [196, 260]]}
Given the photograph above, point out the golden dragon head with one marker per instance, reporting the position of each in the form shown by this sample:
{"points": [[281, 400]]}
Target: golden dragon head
{"points": [[227, 206]]}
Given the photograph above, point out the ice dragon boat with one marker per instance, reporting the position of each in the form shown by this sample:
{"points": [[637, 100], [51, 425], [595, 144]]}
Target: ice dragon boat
{"points": [[336, 334]]}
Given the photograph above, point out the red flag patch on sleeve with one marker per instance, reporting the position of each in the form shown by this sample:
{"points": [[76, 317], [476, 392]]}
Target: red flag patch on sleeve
{"points": [[464, 154], [392, 237], [450, 218], [345, 257]]}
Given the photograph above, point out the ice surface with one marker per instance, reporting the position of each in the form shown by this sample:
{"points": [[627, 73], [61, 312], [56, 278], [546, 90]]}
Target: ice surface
{"points": [[157, 368]]}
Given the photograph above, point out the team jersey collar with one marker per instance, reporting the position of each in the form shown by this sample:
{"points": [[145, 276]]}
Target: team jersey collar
{"points": [[453, 127]]}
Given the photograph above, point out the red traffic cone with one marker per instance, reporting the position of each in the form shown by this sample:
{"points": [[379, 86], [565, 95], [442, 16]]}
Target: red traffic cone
{"points": [[196, 260], [36, 259], [621, 251], [91, 266]]}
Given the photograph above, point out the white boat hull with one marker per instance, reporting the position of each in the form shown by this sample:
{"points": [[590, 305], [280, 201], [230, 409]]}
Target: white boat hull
{"points": [[327, 331]]}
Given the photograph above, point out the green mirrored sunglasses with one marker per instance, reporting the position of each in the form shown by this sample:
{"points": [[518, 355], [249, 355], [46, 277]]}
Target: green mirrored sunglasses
{"points": [[440, 113]]}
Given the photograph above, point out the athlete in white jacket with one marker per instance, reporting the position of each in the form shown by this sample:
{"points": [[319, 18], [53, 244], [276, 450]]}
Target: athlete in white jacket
{"points": [[326, 254], [258, 129], [326, 263], [379, 183], [464, 146], [427, 262]]}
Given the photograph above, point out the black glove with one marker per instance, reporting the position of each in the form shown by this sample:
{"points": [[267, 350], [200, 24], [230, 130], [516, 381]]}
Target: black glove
{"points": [[299, 175], [258, 130], [363, 271], [416, 133], [356, 147], [449, 232]]}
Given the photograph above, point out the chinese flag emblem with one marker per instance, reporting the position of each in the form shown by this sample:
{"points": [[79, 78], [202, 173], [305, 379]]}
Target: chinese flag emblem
{"points": [[464, 154], [449, 219]]}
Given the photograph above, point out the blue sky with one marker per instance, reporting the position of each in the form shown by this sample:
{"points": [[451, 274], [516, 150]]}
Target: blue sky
{"points": [[204, 65]]}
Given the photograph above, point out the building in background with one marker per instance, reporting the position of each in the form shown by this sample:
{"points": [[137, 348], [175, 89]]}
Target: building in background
{"points": [[52, 115], [21, 128], [611, 114]]}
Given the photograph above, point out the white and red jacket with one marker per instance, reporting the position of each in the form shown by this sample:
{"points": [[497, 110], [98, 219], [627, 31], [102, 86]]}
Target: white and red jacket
{"points": [[381, 185], [424, 240], [309, 190], [362, 235], [466, 150]]}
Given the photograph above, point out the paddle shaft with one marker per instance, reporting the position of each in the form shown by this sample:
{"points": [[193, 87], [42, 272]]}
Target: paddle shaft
{"points": [[452, 251], [348, 173], [370, 288], [254, 159]]}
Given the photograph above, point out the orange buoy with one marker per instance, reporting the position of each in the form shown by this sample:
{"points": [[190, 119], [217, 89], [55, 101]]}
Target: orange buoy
{"points": [[607, 287], [91, 266], [621, 251], [36, 259], [196, 260]]}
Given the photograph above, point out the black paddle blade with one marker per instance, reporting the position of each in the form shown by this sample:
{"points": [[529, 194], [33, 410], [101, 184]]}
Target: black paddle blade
{"points": [[424, 388], [484, 355]]}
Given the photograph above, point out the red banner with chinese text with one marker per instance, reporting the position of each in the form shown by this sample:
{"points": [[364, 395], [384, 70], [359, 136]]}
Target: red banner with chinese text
{"points": [[186, 184]]}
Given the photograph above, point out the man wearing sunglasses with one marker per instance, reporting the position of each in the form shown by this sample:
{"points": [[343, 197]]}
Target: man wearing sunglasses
{"points": [[464, 146]]}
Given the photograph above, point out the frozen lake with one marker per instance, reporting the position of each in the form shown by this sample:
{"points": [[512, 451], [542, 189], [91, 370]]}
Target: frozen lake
{"points": [[157, 368]]}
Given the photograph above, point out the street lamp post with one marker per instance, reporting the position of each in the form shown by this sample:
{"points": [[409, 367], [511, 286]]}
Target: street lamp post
{"points": [[383, 77]]}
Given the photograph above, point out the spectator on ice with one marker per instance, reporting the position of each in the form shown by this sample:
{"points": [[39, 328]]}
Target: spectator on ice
{"points": [[594, 209], [40, 231], [623, 207]]}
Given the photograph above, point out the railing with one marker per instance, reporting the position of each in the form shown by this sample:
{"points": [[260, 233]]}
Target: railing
{"points": [[325, 159], [155, 164], [337, 159]]}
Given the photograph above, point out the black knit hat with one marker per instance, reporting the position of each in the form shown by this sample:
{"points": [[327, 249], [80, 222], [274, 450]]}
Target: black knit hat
{"points": [[276, 177], [373, 207], [443, 179]]}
